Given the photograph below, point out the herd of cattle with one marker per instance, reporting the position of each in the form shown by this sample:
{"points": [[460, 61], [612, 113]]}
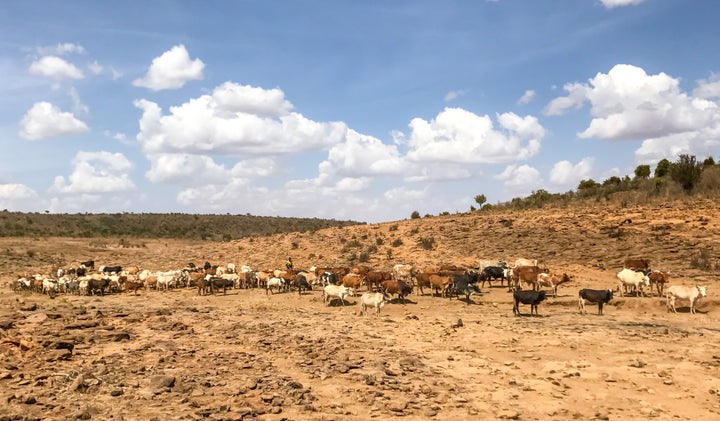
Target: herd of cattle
{"points": [[529, 283]]}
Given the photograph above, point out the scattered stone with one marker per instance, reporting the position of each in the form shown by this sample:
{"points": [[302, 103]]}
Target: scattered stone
{"points": [[602, 416], [508, 414], [457, 324], [161, 381], [116, 392], [28, 307], [77, 383], [58, 355]]}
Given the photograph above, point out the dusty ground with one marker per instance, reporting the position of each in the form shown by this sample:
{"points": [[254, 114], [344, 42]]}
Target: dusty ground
{"points": [[176, 355]]}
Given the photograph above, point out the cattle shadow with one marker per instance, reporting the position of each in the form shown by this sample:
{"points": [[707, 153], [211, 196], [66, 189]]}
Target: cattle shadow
{"points": [[401, 301], [335, 302], [534, 316], [686, 310]]}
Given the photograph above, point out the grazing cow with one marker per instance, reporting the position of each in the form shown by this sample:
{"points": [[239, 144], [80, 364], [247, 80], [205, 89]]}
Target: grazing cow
{"points": [[637, 264], [336, 291], [353, 280], [552, 281], [111, 269], [599, 296], [262, 278], [403, 273], [393, 287], [440, 283], [422, 280], [81, 271], [527, 297], [658, 278], [301, 283], [133, 285], [692, 294], [88, 264], [203, 286], [490, 273], [630, 278], [527, 274], [373, 299], [97, 285], [330, 278], [462, 285], [217, 283], [279, 283], [374, 277]]}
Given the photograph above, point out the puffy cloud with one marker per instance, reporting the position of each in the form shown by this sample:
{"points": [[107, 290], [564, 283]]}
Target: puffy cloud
{"points": [[18, 197], [234, 120], [459, 136], [610, 4], [564, 173], [56, 68], [708, 88], [403, 195], [186, 170], [575, 99], [701, 143], [520, 178], [527, 97], [171, 70], [97, 173], [45, 120], [361, 155]]}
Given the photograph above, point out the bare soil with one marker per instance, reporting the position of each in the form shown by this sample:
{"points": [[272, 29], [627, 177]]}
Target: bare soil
{"points": [[250, 355]]}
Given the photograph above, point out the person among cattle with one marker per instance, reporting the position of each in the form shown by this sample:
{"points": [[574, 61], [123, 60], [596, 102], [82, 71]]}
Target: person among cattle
{"points": [[289, 264]]}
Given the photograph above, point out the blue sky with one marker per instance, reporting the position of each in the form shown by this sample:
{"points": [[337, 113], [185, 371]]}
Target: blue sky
{"points": [[344, 109]]}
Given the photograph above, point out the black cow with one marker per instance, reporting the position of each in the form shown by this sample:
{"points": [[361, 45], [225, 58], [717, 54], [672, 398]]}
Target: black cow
{"points": [[111, 269], [95, 285], [492, 273], [88, 264], [528, 297], [301, 283], [330, 278], [599, 296], [463, 285], [207, 265], [217, 283], [81, 271]]}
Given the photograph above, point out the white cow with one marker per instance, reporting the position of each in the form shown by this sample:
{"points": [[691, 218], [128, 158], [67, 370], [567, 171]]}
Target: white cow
{"points": [[692, 294], [337, 291], [525, 262], [373, 299], [628, 277], [275, 281], [403, 273]]}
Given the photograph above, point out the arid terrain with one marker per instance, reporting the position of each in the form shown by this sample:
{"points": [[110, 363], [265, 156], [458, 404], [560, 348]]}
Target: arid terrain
{"points": [[249, 355]]}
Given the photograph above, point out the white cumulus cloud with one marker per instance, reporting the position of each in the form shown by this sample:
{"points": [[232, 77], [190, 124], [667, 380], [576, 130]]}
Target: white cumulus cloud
{"points": [[20, 197], [460, 136], [565, 174], [234, 120], [171, 70], [44, 120], [56, 68], [186, 170], [97, 173], [708, 88], [62, 49], [523, 178]]}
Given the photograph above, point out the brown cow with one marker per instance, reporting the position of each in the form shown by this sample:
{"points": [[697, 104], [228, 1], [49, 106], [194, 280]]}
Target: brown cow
{"points": [[353, 280], [375, 277], [658, 278], [637, 264], [401, 288], [422, 280], [527, 274], [440, 283]]}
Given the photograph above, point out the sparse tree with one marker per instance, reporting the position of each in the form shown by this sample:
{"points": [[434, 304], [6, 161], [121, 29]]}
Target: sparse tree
{"points": [[663, 168], [708, 162], [686, 171], [614, 181], [642, 171], [415, 215], [587, 184], [480, 199]]}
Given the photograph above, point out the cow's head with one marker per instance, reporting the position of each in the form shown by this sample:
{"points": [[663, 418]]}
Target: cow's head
{"points": [[702, 290]]}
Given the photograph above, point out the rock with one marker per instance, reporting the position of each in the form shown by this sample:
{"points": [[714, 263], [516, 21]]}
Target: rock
{"points": [[30, 400], [116, 392], [122, 336], [77, 383], [161, 381], [602, 416], [58, 355], [508, 414], [36, 318], [7, 324], [28, 307]]}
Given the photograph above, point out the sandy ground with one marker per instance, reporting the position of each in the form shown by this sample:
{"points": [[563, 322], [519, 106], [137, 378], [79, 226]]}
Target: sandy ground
{"points": [[244, 355]]}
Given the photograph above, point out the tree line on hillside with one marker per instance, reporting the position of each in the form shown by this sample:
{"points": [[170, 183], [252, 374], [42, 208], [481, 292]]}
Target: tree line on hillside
{"points": [[150, 225], [686, 176]]}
